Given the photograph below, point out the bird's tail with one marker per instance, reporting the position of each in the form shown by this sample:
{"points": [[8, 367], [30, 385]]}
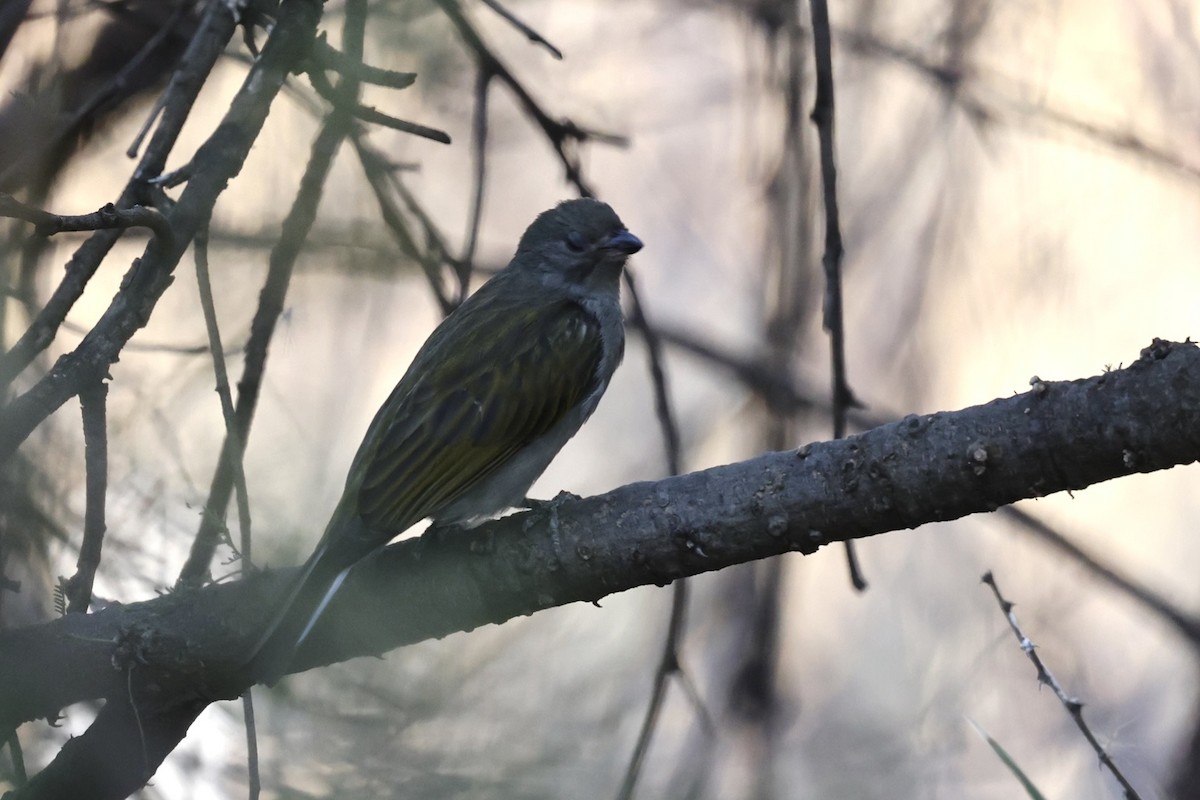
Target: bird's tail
{"points": [[305, 599]]}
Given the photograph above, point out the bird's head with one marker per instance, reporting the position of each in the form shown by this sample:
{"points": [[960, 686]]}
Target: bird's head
{"points": [[581, 242]]}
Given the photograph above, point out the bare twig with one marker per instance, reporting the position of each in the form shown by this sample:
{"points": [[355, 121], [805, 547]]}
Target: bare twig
{"points": [[662, 400], [1073, 705], [95, 440], [329, 57], [206, 47], [118, 85], [529, 32], [668, 667], [385, 184], [479, 138], [238, 442], [822, 117], [670, 664], [779, 391], [216, 163], [253, 779], [371, 115], [564, 134], [160, 101], [1013, 97], [295, 229], [107, 217], [16, 755], [1186, 624]]}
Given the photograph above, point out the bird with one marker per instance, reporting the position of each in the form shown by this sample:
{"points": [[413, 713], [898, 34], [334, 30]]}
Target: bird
{"points": [[493, 394]]}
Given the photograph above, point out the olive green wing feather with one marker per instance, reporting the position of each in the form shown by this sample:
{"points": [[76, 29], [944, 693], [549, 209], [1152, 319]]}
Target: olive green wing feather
{"points": [[465, 418]]}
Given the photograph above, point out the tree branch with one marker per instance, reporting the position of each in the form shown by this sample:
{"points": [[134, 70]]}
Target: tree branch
{"points": [[201, 55], [215, 164], [116, 755], [282, 261], [47, 224], [1073, 705], [94, 403], [1059, 436], [562, 135]]}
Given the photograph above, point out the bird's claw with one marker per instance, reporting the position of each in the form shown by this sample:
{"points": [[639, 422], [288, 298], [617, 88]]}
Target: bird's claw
{"points": [[551, 505]]}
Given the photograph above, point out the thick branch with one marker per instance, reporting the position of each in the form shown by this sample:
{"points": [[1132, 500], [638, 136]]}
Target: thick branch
{"points": [[1059, 436], [116, 755]]}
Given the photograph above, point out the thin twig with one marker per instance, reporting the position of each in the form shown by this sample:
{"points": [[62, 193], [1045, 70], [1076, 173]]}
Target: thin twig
{"points": [[105, 218], [160, 102], [780, 392], [207, 45], [479, 137], [662, 400], [1186, 624], [17, 756], [1073, 705], [234, 453], [282, 262], [1012, 96], [329, 57], [95, 441], [822, 117], [563, 135], [111, 88], [668, 666], [529, 32], [253, 778], [384, 184], [670, 663], [372, 115]]}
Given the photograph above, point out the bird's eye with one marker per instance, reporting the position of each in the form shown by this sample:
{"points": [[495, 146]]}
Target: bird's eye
{"points": [[575, 242]]}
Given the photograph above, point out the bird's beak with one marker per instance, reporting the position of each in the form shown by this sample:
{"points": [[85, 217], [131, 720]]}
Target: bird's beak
{"points": [[624, 242]]}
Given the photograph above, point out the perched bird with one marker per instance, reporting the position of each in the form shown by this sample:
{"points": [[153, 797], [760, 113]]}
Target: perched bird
{"points": [[491, 397]]}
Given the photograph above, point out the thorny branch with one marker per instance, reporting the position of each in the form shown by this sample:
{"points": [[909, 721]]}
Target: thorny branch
{"points": [[1073, 705]]}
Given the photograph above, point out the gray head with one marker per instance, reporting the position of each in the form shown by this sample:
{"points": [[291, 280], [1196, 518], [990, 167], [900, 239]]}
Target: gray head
{"points": [[578, 241]]}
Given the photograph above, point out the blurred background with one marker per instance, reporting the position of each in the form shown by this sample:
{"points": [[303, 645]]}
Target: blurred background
{"points": [[1019, 187]]}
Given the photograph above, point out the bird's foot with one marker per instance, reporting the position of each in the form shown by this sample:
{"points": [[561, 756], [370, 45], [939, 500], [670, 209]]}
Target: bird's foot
{"points": [[436, 530], [548, 506], [549, 509]]}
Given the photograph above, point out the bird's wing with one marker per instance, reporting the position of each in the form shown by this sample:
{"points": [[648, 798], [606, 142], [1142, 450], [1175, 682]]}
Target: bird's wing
{"points": [[466, 417]]}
